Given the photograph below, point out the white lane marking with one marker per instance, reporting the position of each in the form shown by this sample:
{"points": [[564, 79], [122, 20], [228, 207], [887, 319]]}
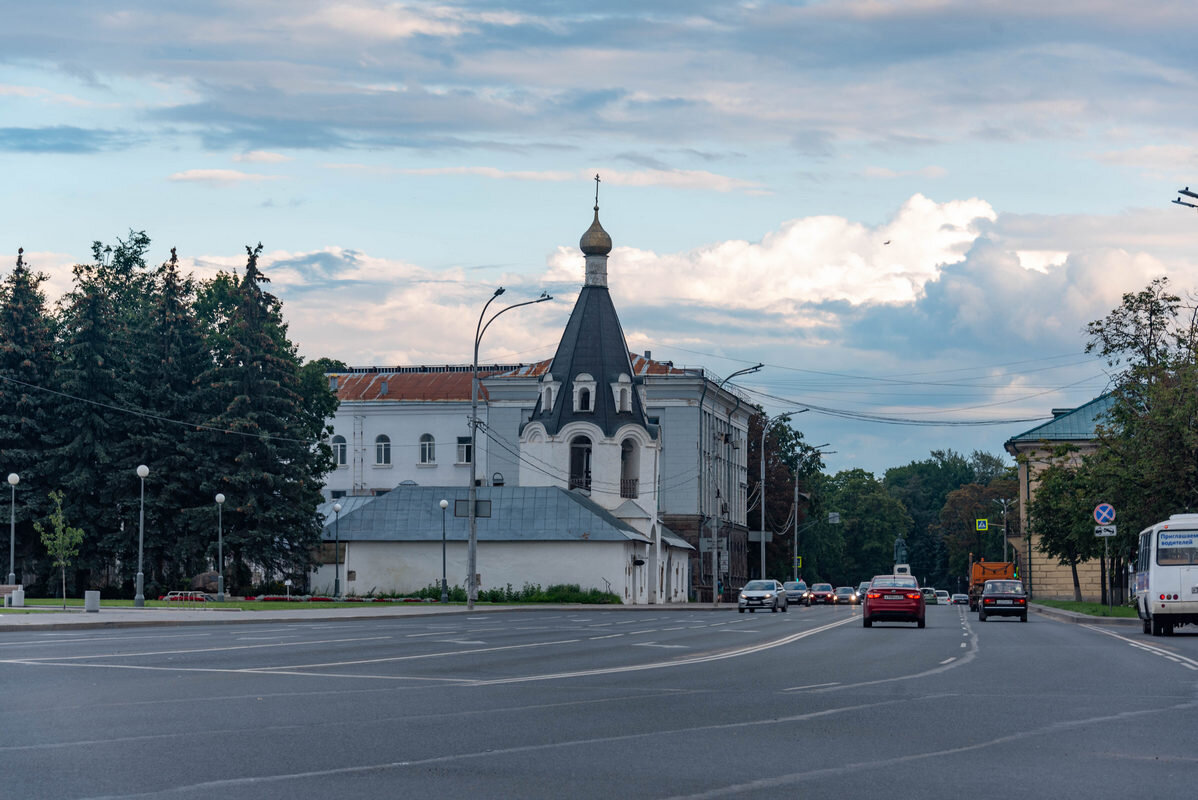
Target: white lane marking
{"points": [[414, 657], [608, 636], [756, 648], [262, 781], [811, 686], [680, 627], [634, 633], [949, 660], [93, 638], [189, 652], [729, 630], [965, 644], [1151, 648], [772, 784], [655, 644], [457, 641]]}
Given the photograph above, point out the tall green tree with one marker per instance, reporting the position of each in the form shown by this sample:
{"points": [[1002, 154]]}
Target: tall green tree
{"points": [[270, 454], [1061, 509], [27, 365], [922, 487], [871, 519]]}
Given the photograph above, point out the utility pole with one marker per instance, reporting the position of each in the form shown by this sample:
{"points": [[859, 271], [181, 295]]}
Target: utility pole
{"points": [[1004, 502]]}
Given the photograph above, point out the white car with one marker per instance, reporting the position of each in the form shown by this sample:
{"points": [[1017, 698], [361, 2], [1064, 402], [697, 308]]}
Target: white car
{"points": [[942, 597], [762, 594]]}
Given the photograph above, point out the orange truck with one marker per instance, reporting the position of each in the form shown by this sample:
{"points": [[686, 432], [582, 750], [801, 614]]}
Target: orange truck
{"points": [[982, 571]]}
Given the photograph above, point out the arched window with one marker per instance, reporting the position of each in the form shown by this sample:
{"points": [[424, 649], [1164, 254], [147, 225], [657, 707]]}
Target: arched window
{"points": [[547, 400], [382, 450], [428, 449], [624, 404], [580, 463], [339, 450], [584, 399]]}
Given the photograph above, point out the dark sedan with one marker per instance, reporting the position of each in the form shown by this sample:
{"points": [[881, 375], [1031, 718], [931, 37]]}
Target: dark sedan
{"points": [[893, 598], [796, 591], [1003, 598], [821, 593], [846, 596]]}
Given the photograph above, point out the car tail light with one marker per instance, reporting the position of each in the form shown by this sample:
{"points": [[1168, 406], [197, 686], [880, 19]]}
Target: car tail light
{"points": [[873, 595], [913, 595], [1169, 597]]}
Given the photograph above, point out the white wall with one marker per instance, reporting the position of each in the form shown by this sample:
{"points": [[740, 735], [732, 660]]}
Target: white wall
{"points": [[407, 566]]}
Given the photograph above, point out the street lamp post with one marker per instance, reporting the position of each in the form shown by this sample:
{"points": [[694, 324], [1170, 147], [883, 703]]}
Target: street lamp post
{"points": [[13, 480], [220, 550], [337, 552], [472, 495], [715, 518], [139, 599], [444, 583]]}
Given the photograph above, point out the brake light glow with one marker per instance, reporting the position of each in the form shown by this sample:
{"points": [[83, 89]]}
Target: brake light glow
{"points": [[913, 595], [873, 595]]}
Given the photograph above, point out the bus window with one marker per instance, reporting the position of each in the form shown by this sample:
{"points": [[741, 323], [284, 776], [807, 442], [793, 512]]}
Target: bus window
{"points": [[1177, 548]]}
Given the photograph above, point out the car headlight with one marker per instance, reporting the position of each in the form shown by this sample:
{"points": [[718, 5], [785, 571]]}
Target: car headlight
{"points": [[769, 595]]}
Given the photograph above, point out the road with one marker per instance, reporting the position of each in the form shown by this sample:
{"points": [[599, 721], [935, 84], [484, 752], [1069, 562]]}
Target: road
{"points": [[601, 704]]}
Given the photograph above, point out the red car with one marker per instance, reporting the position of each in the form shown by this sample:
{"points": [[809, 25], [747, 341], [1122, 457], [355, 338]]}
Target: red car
{"points": [[821, 593], [893, 598]]}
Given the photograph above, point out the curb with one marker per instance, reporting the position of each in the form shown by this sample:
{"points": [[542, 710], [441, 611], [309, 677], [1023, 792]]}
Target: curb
{"points": [[1061, 615]]}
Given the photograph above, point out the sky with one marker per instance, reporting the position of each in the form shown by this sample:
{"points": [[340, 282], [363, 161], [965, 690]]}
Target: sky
{"points": [[906, 211]]}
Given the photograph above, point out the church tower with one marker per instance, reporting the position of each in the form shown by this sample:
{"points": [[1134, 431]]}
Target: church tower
{"points": [[589, 431]]}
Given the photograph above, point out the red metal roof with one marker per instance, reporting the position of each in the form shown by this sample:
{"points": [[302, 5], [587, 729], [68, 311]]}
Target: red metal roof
{"points": [[452, 383]]}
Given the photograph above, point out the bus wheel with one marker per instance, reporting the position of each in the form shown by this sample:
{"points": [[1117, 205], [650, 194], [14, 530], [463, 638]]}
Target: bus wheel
{"points": [[1147, 626], [1158, 629]]}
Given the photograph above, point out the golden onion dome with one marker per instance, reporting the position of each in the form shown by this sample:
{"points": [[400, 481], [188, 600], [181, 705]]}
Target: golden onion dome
{"points": [[596, 241]]}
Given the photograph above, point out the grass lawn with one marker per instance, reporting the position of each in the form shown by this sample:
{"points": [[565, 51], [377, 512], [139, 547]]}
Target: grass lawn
{"points": [[1093, 609], [44, 604]]}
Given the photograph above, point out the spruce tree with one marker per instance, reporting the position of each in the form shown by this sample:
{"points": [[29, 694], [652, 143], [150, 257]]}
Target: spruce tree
{"points": [[267, 453], [26, 372]]}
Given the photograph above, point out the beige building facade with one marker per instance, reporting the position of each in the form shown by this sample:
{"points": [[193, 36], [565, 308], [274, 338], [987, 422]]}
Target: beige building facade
{"points": [[1034, 450]]}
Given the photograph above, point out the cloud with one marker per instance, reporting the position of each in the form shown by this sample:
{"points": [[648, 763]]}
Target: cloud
{"points": [[261, 157], [885, 173], [218, 176], [61, 139], [670, 178]]}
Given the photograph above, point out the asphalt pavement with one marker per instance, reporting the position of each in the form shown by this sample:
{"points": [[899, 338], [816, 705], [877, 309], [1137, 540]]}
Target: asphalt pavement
{"points": [[43, 618]]}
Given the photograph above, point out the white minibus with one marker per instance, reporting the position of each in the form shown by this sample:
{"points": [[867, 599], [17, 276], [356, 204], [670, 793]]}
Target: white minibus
{"points": [[1167, 574]]}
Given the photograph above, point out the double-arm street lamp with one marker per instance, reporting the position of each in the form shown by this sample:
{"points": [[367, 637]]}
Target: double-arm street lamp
{"points": [[220, 550], [13, 480], [139, 599], [479, 330], [715, 518]]}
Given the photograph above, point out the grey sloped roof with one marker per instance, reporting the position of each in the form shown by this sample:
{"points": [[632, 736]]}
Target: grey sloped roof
{"points": [[1077, 425], [518, 513]]}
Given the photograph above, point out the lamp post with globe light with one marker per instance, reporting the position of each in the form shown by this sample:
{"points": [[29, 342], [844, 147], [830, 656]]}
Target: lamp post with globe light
{"points": [[13, 480], [337, 551], [139, 599], [220, 550], [444, 504]]}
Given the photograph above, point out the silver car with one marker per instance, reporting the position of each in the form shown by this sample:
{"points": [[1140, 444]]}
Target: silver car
{"points": [[762, 594]]}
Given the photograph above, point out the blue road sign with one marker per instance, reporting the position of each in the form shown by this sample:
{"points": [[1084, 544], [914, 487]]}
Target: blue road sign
{"points": [[1104, 513]]}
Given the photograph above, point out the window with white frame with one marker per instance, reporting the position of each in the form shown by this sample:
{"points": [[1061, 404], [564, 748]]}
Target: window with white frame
{"points": [[465, 456], [382, 450], [428, 449], [584, 392], [339, 450]]}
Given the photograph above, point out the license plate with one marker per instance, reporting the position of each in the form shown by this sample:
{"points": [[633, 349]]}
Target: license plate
{"points": [[893, 596], [1004, 602]]}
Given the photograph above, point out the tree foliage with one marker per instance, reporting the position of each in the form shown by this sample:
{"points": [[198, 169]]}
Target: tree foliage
{"points": [[60, 540], [196, 380]]}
